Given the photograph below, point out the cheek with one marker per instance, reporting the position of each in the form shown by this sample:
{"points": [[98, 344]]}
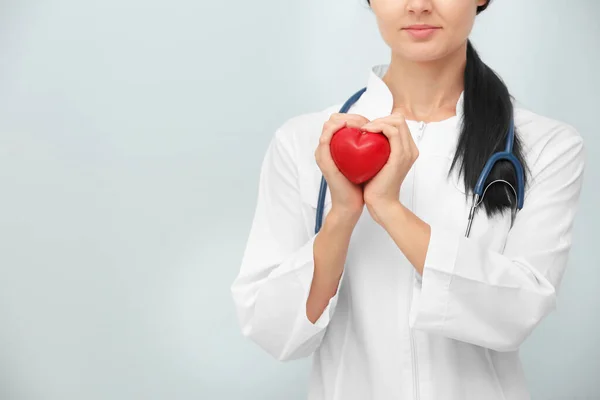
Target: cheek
{"points": [[388, 15], [389, 35], [459, 16]]}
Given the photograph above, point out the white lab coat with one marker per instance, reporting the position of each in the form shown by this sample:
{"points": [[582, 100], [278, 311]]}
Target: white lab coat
{"points": [[389, 333]]}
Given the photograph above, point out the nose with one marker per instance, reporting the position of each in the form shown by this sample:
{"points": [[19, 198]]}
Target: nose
{"points": [[418, 6]]}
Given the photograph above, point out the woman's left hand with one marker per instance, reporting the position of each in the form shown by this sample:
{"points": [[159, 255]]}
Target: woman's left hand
{"points": [[383, 190]]}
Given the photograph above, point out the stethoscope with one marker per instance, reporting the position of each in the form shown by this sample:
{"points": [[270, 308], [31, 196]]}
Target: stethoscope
{"points": [[479, 190]]}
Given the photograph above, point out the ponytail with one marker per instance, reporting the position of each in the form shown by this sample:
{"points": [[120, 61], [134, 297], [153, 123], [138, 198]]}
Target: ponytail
{"points": [[488, 112]]}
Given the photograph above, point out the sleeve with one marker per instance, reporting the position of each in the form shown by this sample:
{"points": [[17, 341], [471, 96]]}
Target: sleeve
{"points": [[274, 280], [475, 295]]}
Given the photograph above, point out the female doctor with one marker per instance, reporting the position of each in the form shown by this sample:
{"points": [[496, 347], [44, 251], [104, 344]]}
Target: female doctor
{"points": [[398, 302]]}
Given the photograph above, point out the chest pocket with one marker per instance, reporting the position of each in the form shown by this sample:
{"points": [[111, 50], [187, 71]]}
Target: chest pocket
{"points": [[442, 199]]}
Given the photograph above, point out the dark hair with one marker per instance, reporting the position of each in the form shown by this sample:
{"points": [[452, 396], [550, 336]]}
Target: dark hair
{"points": [[488, 112]]}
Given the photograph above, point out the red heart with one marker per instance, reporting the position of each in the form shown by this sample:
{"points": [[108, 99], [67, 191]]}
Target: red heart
{"points": [[358, 154]]}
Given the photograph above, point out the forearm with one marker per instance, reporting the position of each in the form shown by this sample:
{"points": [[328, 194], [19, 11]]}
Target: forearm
{"points": [[409, 232], [330, 251]]}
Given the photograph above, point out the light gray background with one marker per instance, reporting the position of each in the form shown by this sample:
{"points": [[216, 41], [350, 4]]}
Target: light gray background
{"points": [[131, 136]]}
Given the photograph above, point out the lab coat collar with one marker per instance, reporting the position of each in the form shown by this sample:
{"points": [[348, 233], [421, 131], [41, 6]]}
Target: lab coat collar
{"points": [[377, 101]]}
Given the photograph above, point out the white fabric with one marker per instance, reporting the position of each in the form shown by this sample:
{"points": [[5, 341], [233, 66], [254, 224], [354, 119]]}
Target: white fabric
{"points": [[453, 333]]}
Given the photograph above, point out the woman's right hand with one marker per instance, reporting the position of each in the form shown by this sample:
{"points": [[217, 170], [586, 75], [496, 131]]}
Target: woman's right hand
{"points": [[346, 197]]}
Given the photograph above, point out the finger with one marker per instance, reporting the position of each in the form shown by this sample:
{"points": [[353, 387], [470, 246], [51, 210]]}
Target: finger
{"points": [[390, 131], [406, 138], [348, 116], [329, 128], [398, 113], [323, 151], [413, 146], [353, 120], [354, 123], [406, 134], [397, 120]]}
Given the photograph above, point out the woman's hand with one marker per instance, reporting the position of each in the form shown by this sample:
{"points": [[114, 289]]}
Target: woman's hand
{"points": [[346, 197], [383, 190]]}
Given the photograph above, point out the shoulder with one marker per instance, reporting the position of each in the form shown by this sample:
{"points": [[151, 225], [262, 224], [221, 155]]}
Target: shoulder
{"points": [[546, 140], [304, 125], [535, 128], [300, 134]]}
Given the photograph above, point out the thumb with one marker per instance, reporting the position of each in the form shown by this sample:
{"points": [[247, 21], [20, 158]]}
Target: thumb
{"points": [[398, 113]]}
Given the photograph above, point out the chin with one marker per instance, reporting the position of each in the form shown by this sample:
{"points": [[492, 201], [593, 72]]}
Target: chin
{"points": [[421, 52]]}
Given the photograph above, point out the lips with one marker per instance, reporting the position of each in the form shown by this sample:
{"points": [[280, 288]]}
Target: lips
{"points": [[421, 31], [421, 27]]}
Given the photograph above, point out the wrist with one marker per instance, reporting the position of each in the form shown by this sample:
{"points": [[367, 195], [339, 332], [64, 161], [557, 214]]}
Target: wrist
{"points": [[388, 212], [341, 218]]}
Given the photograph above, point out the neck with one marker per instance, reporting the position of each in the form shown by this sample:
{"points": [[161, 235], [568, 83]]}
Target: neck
{"points": [[427, 91]]}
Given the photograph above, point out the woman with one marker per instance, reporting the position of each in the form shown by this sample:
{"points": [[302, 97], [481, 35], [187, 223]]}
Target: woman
{"points": [[396, 302]]}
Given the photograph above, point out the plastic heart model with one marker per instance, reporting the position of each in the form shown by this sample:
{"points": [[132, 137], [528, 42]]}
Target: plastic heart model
{"points": [[358, 154]]}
